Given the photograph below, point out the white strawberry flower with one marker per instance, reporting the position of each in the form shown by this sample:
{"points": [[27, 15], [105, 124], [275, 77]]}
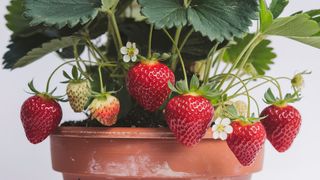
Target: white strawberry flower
{"points": [[129, 52], [222, 128]]}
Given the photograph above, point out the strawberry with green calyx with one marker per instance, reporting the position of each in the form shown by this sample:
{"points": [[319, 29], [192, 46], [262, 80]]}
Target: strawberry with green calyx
{"points": [[245, 137], [104, 108], [282, 121], [190, 113], [147, 83], [246, 140], [78, 90], [40, 115]]}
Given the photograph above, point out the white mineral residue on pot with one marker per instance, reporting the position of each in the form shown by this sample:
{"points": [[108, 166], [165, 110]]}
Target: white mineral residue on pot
{"points": [[72, 159], [94, 166], [141, 165]]}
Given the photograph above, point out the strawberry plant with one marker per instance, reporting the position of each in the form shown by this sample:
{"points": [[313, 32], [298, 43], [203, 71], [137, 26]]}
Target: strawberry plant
{"points": [[181, 64]]}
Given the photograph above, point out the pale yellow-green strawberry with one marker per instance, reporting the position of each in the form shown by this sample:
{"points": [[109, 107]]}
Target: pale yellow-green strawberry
{"points": [[78, 93], [105, 109], [241, 107]]}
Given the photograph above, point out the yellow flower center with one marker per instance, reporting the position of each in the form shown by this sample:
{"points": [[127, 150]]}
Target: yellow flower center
{"points": [[131, 51], [220, 128]]}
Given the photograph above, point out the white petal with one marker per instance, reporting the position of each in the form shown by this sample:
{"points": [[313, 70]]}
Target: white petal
{"points": [[223, 136], [134, 58], [218, 121], [136, 51], [129, 45], [225, 121], [126, 58], [214, 128], [215, 135], [134, 45], [228, 129], [124, 50]]}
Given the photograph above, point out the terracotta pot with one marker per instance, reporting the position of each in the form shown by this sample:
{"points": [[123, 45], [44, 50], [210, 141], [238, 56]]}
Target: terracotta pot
{"points": [[142, 153]]}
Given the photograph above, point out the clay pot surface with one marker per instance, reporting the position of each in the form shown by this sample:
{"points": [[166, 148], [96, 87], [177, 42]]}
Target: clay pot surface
{"points": [[142, 153]]}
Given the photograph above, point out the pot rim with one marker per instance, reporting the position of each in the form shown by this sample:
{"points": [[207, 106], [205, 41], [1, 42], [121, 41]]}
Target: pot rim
{"points": [[119, 133]]}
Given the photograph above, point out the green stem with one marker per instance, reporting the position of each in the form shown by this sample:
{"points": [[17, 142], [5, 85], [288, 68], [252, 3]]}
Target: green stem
{"points": [[185, 39], [179, 54], [116, 31], [54, 71], [101, 80], [95, 49], [244, 61], [77, 57], [175, 48], [246, 92], [186, 3], [220, 57], [209, 63], [257, 36], [150, 41], [236, 94]]}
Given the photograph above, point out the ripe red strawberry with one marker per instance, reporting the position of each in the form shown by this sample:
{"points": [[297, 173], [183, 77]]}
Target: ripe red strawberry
{"points": [[105, 109], [78, 94], [246, 141], [282, 124], [147, 83], [40, 116], [188, 117]]}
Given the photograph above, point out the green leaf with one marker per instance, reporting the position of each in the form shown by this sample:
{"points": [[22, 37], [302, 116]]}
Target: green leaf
{"points": [[182, 86], [20, 46], [269, 97], [138, 32], [16, 22], [172, 88], [75, 72], [66, 75], [298, 27], [194, 83], [60, 13], [164, 13], [231, 112], [266, 16], [277, 6], [109, 4], [261, 57], [45, 48], [215, 19], [314, 14]]}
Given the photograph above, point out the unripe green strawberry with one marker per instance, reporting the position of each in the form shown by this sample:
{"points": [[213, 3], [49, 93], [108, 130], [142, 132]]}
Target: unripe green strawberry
{"points": [[105, 109], [78, 94]]}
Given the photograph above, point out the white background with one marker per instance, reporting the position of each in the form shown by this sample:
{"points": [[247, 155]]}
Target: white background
{"points": [[21, 160]]}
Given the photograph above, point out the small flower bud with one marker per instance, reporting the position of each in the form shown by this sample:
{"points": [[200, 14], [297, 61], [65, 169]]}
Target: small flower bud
{"points": [[298, 81], [199, 68]]}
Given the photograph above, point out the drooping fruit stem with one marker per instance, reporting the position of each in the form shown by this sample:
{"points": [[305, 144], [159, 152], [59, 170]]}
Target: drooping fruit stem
{"points": [[179, 54], [150, 42], [245, 59], [175, 48], [246, 92], [209, 63], [101, 79], [67, 62], [239, 58], [78, 59], [116, 32]]}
